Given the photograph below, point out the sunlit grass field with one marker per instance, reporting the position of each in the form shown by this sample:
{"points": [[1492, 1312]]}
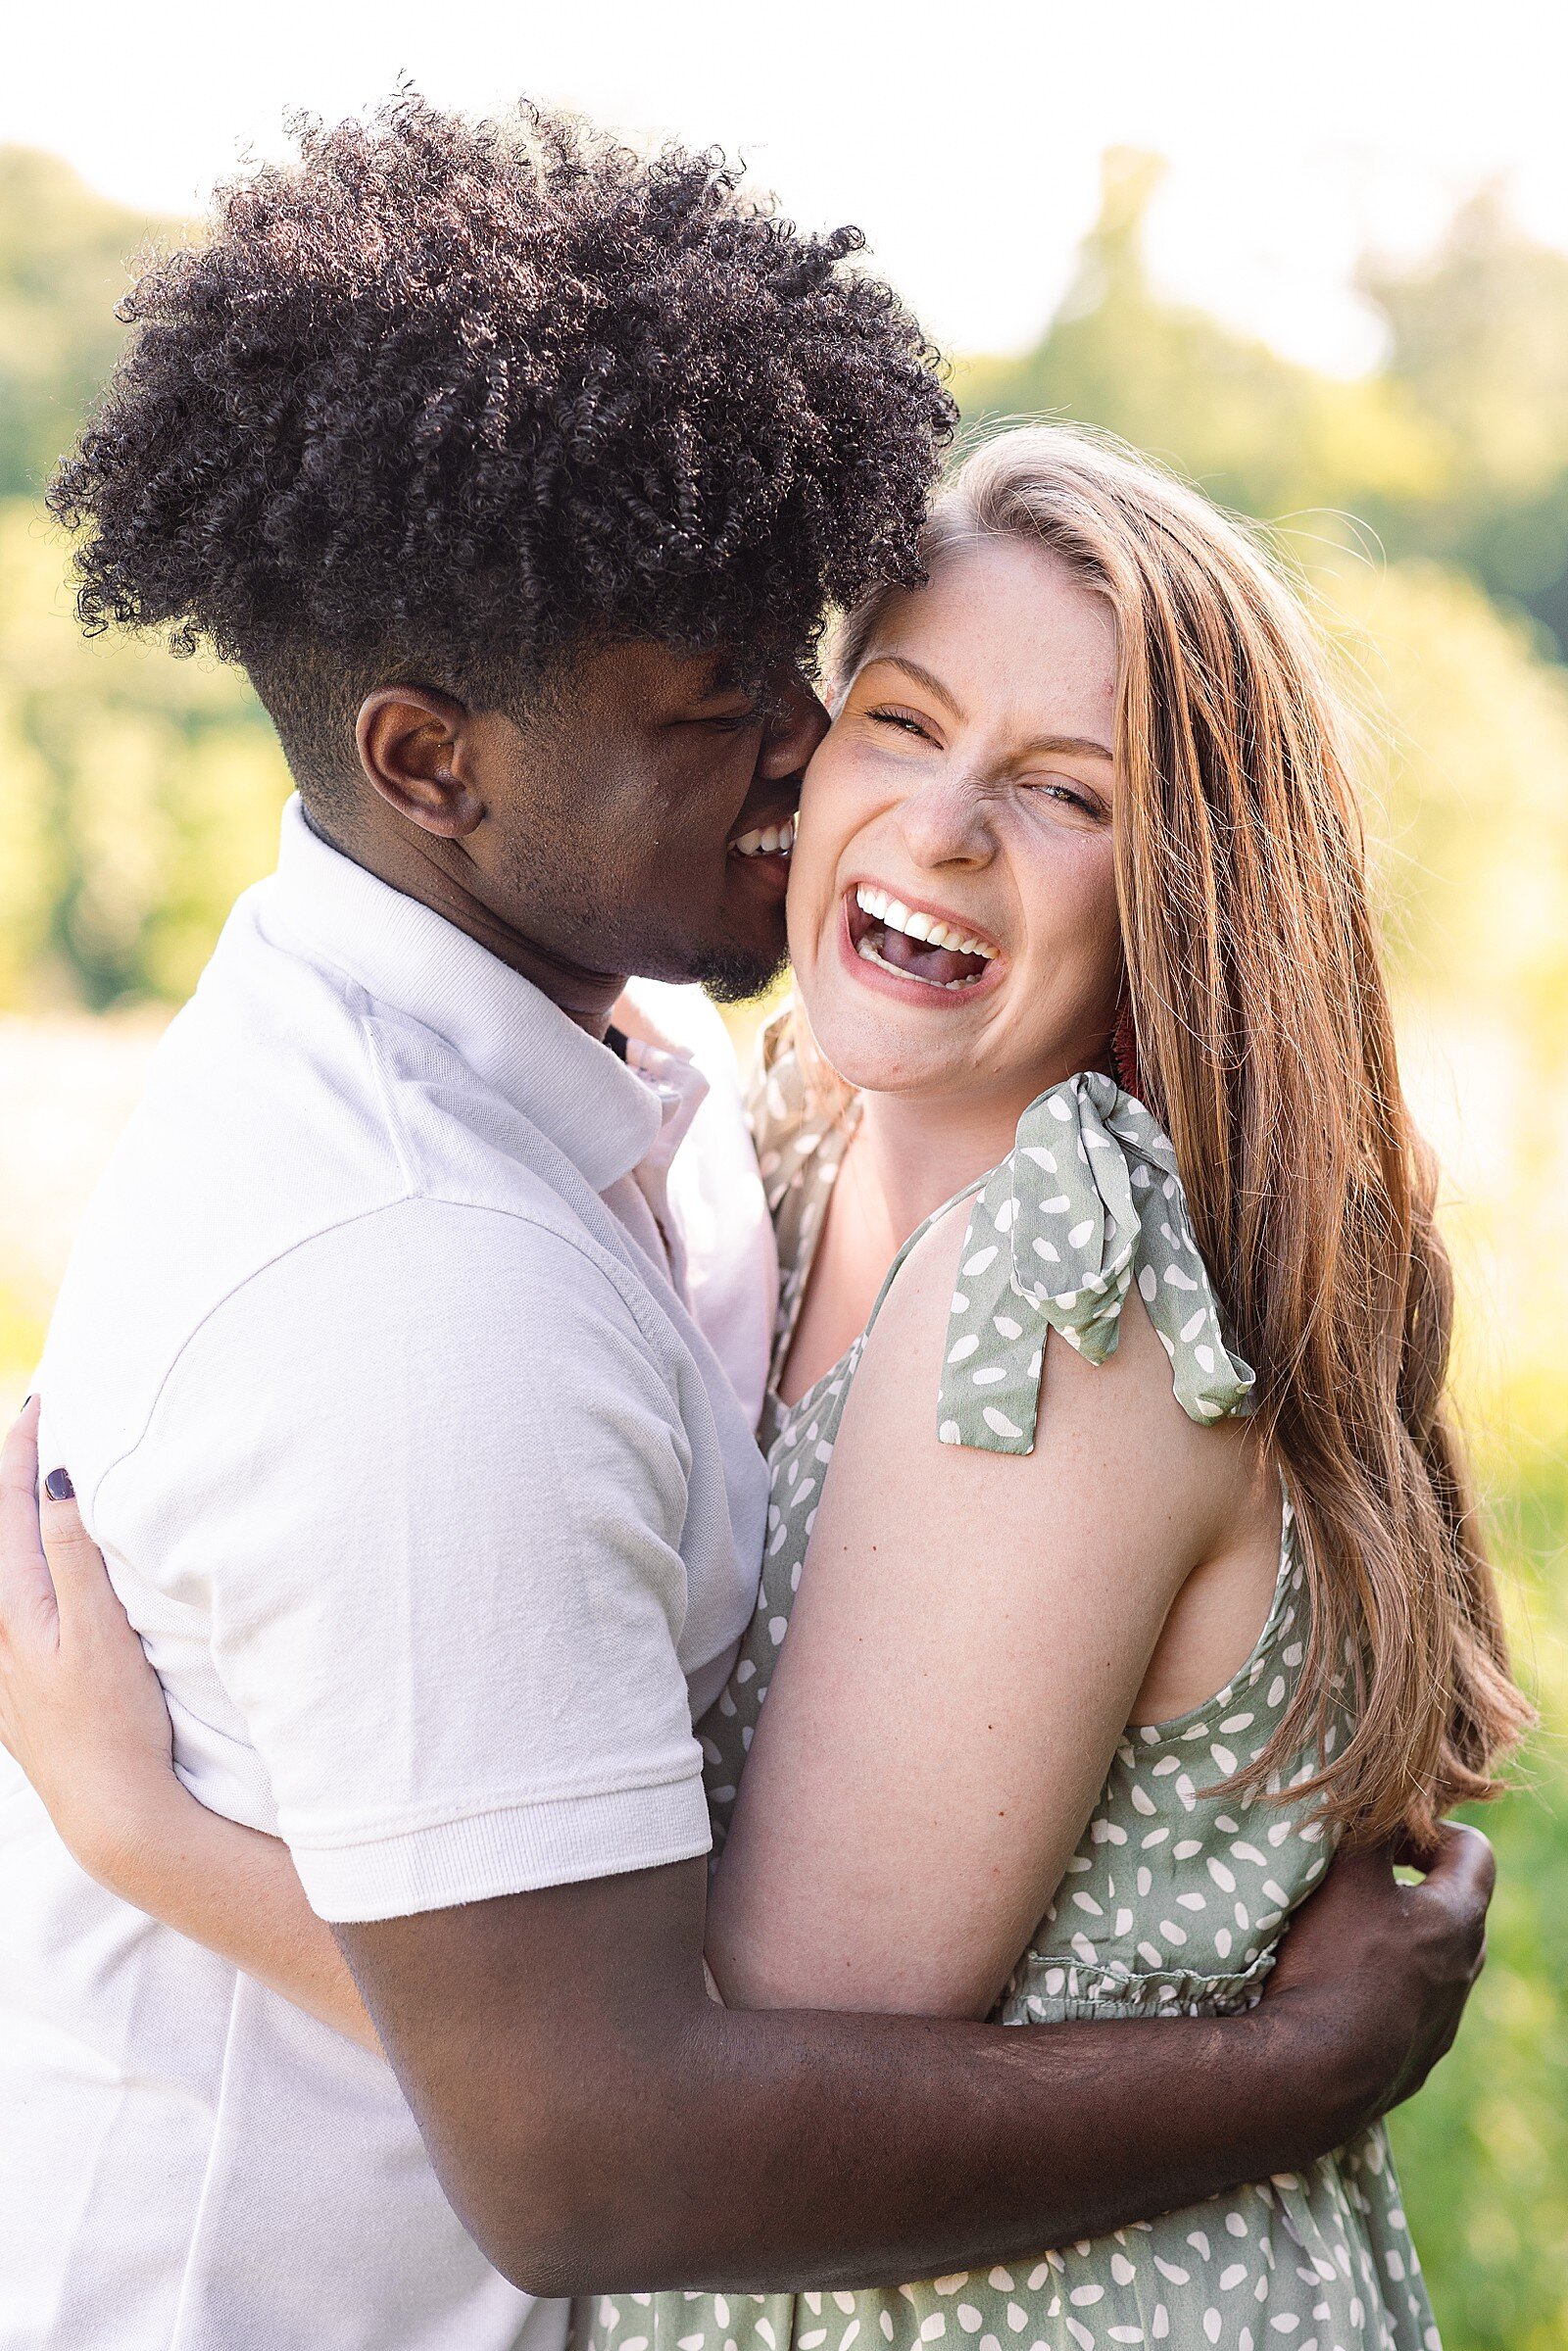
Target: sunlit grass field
{"points": [[1483, 2151]]}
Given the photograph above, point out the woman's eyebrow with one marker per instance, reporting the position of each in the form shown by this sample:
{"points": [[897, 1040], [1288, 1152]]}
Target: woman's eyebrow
{"points": [[921, 677], [1082, 744], [1076, 743]]}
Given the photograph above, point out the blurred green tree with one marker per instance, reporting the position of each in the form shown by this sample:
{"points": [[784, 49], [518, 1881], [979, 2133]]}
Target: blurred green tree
{"points": [[66, 257], [1457, 447], [1259, 432], [138, 794], [1479, 343]]}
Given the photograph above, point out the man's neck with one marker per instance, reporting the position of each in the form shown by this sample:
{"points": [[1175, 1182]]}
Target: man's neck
{"points": [[421, 867]]}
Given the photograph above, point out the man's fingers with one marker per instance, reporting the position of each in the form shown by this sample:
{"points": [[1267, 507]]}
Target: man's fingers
{"points": [[1352, 1878], [28, 1609], [1463, 1866]]}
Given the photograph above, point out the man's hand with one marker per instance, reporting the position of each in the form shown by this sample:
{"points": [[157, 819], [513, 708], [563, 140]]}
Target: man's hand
{"points": [[600, 2124], [1385, 1969]]}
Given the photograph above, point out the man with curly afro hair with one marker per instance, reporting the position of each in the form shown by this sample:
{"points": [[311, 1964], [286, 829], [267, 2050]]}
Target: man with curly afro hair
{"points": [[399, 1368], [519, 472]]}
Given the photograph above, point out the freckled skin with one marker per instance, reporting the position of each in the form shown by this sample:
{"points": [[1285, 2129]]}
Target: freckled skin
{"points": [[955, 801], [968, 771]]}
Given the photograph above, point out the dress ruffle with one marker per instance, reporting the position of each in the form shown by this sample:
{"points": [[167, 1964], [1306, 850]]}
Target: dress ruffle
{"points": [[1048, 1990]]}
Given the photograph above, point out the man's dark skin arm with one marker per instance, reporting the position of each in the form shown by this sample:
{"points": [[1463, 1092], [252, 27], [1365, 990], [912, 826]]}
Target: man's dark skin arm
{"points": [[600, 2124]]}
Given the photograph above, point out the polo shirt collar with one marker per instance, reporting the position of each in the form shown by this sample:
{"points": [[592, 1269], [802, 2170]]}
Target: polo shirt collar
{"points": [[600, 1112]]}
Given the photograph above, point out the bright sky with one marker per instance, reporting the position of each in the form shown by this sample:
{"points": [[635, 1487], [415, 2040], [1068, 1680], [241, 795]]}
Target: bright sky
{"points": [[963, 139]]}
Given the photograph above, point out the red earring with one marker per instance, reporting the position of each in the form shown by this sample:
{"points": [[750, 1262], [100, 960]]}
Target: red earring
{"points": [[1124, 1051]]}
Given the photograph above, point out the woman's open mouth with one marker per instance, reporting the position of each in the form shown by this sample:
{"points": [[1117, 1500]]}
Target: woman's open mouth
{"points": [[915, 943]]}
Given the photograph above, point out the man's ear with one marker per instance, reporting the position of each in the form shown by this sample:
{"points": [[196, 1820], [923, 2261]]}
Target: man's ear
{"points": [[417, 747]]}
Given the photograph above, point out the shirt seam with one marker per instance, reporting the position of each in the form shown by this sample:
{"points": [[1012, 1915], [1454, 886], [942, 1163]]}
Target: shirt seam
{"points": [[618, 1278], [362, 1007], [489, 1808]]}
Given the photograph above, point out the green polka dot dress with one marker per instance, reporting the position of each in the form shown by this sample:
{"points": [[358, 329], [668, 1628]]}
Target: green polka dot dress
{"points": [[1175, 1898]]}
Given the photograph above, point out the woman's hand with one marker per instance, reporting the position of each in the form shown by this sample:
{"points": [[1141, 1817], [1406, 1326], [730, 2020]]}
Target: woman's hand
{"points": [[80, 1708], [83, 1712]]}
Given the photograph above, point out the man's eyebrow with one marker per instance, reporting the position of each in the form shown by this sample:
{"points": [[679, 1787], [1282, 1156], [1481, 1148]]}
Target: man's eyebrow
{"points": [[922, 676], [714, 672]]}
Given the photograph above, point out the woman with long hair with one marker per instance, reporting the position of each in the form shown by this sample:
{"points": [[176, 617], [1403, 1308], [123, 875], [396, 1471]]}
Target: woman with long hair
{"points": [[1123, 1548]]}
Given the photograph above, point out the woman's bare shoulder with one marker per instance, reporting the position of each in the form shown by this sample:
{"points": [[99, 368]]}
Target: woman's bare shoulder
{"points": [[908, 1345], [1108, 1445]]}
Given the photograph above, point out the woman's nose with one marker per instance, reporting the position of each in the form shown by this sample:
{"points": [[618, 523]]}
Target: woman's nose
{"points": [[945, 823]]}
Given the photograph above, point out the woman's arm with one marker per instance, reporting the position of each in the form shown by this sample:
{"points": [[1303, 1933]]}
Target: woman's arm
{"points": [[969, 1641], [83, 1713], [237, 1892]]}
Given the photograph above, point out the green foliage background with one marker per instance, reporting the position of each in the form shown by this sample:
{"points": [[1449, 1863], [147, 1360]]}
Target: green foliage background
{"points": [[1427, 506]]}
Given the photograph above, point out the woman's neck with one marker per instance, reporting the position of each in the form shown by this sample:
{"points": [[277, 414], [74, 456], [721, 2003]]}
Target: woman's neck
{"points": [[905, 1159], [915, 1153]]}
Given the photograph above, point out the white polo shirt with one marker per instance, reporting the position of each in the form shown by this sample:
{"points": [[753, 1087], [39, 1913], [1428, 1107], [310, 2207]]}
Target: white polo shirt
{"points": [[439, 1519]]}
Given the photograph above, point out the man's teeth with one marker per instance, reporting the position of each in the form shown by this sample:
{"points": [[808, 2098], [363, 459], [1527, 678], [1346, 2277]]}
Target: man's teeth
{"points": [[768, 840], [926, 927]]}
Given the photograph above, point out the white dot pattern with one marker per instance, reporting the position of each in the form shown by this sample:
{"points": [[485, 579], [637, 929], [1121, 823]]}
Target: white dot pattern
{"points": [[1178, 1892], [1088, 1202]]}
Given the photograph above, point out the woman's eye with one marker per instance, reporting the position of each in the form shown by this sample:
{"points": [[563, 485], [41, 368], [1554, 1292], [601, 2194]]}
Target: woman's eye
{"points": [[904, 720], [1068, 795]]}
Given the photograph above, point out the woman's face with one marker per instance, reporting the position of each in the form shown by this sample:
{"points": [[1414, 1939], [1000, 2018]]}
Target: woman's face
{"points": [[968, 782]]}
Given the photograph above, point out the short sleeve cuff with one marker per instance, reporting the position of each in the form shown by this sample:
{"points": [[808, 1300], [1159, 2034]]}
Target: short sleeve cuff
{"points": [[513, 1850]]}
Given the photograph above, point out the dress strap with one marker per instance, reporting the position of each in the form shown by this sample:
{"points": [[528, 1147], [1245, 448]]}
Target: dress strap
{"points": [[1088, 1202]]}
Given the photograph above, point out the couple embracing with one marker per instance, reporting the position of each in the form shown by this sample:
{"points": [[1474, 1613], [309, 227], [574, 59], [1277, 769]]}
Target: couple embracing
{"points": [[1045, 1418]]}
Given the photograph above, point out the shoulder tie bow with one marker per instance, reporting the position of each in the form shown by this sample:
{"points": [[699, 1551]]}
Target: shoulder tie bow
{"points": [[1088, 1202]]}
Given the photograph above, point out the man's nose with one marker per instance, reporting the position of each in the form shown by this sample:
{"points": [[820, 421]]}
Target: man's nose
{"points": [[794, 728]]}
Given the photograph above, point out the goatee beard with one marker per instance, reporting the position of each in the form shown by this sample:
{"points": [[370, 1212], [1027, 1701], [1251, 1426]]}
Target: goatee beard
{"points": [[735, 978]]}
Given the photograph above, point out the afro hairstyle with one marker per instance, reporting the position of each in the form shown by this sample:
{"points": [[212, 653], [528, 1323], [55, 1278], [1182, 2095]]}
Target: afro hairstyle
{"points": [[439, 400]]}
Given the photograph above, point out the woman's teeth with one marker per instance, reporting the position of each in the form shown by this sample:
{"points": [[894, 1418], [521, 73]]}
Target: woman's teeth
{"points": [[928, 949], [896, 915], [868, 954], [767, 840]]}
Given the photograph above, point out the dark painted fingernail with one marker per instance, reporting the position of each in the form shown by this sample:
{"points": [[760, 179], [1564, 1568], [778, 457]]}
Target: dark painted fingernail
{"points": [[58, 1487]]}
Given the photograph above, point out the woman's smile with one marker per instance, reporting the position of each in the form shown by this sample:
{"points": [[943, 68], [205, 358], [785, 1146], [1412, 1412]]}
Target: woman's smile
{"points": [[954, 851], [929, 956]]}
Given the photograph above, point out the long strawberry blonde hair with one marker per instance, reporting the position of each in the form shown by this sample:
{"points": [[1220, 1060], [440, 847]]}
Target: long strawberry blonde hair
{"points": [[1265, 1045]]}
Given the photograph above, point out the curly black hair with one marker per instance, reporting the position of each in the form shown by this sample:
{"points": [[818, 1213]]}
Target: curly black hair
{"points": [[442, 398]]}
